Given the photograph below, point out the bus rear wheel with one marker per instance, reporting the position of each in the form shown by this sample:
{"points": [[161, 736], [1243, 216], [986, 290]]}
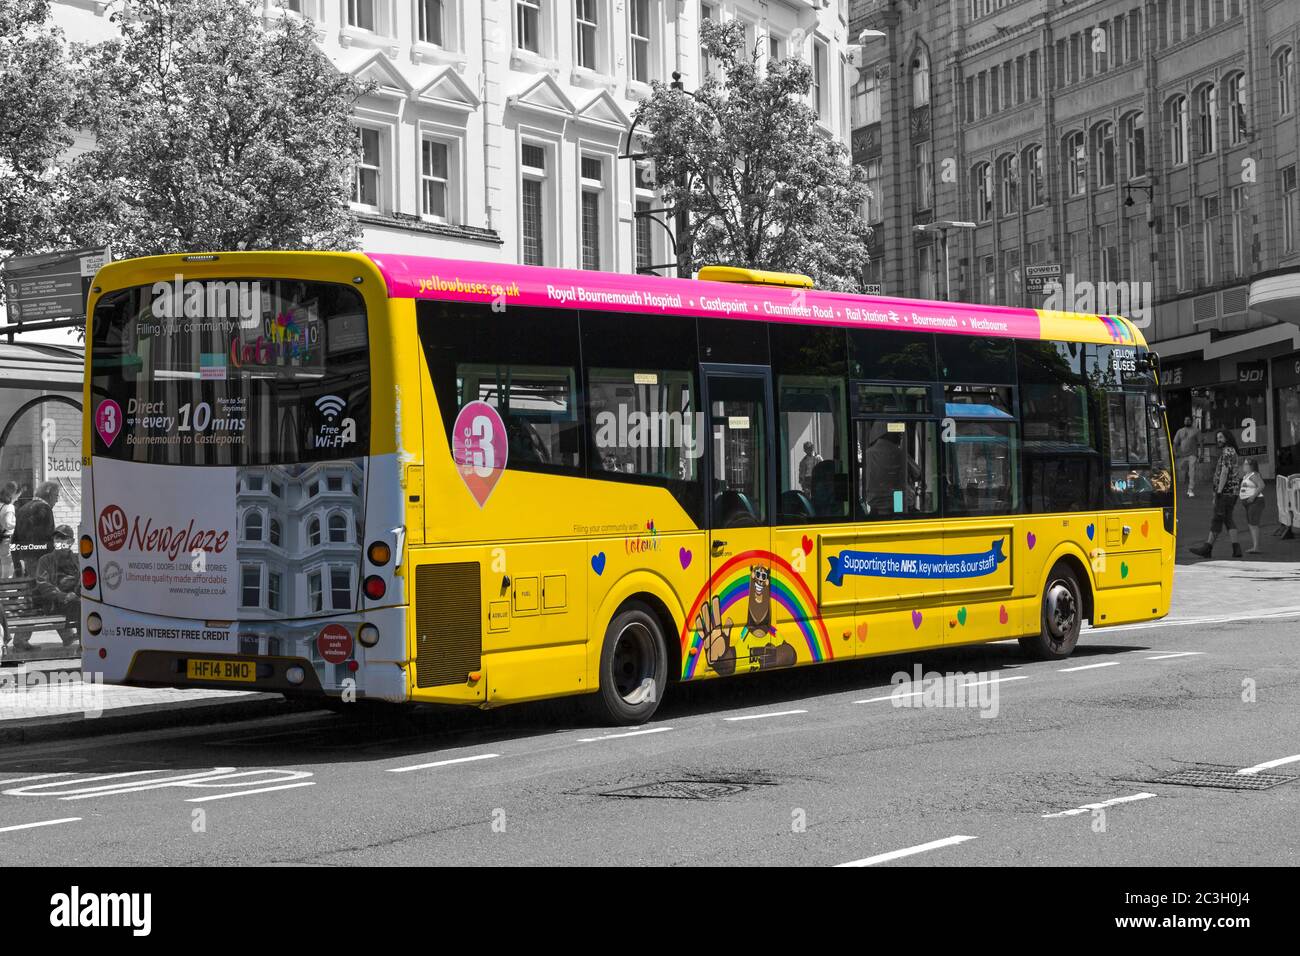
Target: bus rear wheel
{"points": [[1061, 619], [633, 666]]}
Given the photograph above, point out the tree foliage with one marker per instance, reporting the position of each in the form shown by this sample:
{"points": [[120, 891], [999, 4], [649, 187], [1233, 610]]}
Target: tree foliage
{"points": [[36, 105], [764, 185], [213, 129]]}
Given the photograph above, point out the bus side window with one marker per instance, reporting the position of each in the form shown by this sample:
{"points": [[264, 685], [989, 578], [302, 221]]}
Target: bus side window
{"points": [[1061, 465], [809, 366]]}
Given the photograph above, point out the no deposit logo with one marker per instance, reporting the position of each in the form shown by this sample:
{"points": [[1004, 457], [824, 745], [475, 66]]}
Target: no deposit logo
{"points": [[112, 527]]}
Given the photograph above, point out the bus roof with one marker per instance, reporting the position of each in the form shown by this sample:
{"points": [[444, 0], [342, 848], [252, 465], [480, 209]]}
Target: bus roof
{"points": [[418, 277]]}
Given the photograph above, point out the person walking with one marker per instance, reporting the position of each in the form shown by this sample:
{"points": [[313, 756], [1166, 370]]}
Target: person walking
{"points": [[1186, 440], [1252, 498], [1226, 482]]}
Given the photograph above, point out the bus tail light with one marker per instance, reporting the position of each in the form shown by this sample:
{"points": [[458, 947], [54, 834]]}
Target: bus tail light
{"points": [[375, 587], [89, 578], [368, 635], [87, 546], [94, 624], [379, 553]]}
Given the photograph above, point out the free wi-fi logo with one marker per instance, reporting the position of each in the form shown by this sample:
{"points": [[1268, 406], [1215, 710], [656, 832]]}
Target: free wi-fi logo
{"points": [[330, 406]]}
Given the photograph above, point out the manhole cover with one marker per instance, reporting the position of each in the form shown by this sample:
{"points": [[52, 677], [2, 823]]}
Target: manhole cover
{"points": [[1221, 779], [680, 790]]}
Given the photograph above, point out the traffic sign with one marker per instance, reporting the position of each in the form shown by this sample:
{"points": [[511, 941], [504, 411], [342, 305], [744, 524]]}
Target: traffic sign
{"points": [[51, 286]]}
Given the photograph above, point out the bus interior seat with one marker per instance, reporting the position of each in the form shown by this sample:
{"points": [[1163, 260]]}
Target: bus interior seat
{"points": [[734, 510], [795, 504], [827, 499]]}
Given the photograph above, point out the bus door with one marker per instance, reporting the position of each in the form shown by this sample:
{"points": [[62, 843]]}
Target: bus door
{"points": [[737, 623]]}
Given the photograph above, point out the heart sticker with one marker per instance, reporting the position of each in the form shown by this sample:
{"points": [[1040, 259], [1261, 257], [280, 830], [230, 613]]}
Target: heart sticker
{"points": [[684, 556], [806, 544], [479, 448], [1123, 569], [1032, 539], [598, 563], [862, 631], [1091, 529], [108, 421], [961, 616], [1002, 614], [1146, 528], [916, 620]]}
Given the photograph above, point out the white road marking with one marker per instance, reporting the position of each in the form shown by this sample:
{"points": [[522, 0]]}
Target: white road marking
{"points": [[918, 693], [35, 776], [630, 733], [777, 713], [1169, 657], [442, 763], [1089, 807], [1270, 764], [909, 851], [1086, 667], [249, 793], [43, 823]]}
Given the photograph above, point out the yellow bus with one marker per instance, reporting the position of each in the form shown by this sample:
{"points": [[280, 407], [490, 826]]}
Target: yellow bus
{"points": [[372, 476]]}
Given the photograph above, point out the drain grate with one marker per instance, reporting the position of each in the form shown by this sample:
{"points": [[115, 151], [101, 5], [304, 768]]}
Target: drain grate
{"points": [[680, 790], [1221, 779]]}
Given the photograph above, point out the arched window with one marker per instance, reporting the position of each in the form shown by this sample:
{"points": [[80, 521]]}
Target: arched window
{"points": [[920, 78], [1074, 158], [313, 531], [1207, 118], [1135, 145], [275, 532], [1103, 153], [252, 525], [1035, 176], [1009, 183], [1284, 79], [1176, 123], [338, 528], [1238, 118], [981, 191]]}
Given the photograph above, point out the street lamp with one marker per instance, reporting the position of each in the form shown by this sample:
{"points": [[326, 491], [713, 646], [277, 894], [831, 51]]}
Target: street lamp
{"points": [[942, 226]]}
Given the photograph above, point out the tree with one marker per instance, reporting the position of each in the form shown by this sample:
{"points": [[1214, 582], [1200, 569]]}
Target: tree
{"points": [[762, 185], [213, 130], [36, 104]]}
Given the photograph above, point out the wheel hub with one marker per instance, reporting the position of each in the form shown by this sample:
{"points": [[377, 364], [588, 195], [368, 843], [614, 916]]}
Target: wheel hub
{"points": [[1062, 611]]}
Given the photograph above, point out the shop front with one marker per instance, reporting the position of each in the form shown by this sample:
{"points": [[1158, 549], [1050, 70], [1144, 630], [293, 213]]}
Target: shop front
{"points": [[1221, 394]]}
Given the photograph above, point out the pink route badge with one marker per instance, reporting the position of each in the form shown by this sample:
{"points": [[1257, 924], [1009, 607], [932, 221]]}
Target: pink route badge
{"points": [[108, 421], [479, 448]]}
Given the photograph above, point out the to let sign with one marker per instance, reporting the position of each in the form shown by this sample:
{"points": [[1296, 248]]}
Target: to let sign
{"points": [[1036, 276], [51, 286]]}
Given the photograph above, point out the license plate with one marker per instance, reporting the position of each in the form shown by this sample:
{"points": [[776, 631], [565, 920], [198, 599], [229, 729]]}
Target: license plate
{"points": [[242, 671]]}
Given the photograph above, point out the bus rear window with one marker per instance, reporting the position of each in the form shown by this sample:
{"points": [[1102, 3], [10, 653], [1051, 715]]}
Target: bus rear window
{"points": [[230, 372]]}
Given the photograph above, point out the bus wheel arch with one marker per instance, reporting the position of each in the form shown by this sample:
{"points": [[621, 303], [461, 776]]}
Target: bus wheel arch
{"points": [[1063, 606], [1079, 566], [635, 664]]}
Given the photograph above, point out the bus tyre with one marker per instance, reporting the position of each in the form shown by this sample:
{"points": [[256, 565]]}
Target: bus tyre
{"points": [[1062, 617], [633, 666]]}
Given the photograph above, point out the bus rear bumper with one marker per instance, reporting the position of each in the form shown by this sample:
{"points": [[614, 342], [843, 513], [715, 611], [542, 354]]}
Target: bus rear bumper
{"points": [[282, 656]]}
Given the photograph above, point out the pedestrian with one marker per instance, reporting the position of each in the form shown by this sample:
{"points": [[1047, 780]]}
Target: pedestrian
{"points": [[1226, 482], [1186, 440], [33, 535], [8, 520], [1252, 498]]}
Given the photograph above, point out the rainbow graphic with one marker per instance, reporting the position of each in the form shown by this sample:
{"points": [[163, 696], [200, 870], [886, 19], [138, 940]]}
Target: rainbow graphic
{"points": [[731, 585], [1117, 329]]}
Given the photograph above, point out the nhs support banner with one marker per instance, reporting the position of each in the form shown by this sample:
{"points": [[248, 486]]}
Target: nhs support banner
{"points": [[167, 538], [886, 564]]}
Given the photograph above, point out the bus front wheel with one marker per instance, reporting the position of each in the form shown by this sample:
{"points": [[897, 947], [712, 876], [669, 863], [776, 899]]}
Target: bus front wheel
{"points": [[1062, 617], [633, 666]]}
